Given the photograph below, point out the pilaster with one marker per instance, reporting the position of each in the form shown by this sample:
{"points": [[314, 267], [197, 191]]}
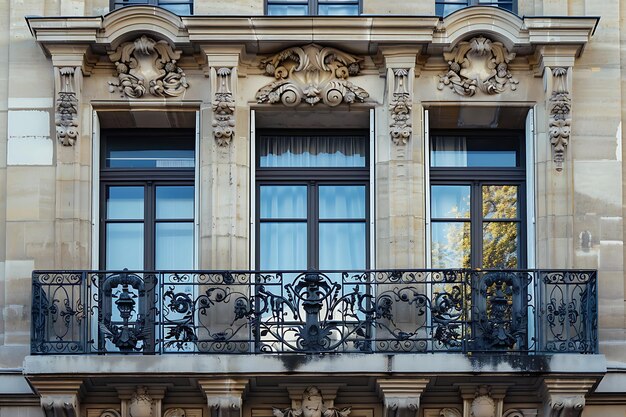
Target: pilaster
{"points": [[401, 397]]}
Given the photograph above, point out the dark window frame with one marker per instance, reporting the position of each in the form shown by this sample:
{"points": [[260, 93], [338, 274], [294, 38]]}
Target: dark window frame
{"points": [[150, 179], [313, 6], [312, 178], [471, 3], [118, 4], [476, 177]]}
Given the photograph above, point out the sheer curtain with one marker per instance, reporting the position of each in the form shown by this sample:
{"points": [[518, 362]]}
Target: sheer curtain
{"points": [[312, 151], [448, 151]]}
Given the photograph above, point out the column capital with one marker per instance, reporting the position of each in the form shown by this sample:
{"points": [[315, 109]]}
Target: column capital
{"points": [[565, 397], [59, 398], [224, 395], [401, 397]]}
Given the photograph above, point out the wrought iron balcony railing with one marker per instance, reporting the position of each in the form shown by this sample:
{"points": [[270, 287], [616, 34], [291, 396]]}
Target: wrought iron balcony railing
{"points": [[394, 311]]}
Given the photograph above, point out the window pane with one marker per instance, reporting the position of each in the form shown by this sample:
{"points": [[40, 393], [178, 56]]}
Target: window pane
{"points": [[499, 201], [174, 245], [450, 201], [149, 152], [174, 202], [287, 10], [451, 245], [342, 201], [312, 151], [500, 245], [461, 151], [283, 246], [124, 246], [342, 246], [125, 203], [446, 9], [179, 9], [338, 9], [283, 201]]}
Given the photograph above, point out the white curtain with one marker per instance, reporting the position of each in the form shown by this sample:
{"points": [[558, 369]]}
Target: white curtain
{"points": [[448, 151], [312, 151]]}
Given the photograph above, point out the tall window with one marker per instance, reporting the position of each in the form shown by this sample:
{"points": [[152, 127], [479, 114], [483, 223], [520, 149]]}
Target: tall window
{"points": [[445, 7], [312, 7], [147, 199], [312, 194], [180, 7], [477, 199]]}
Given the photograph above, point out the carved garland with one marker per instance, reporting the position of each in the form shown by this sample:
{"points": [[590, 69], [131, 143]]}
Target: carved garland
{"points": [[223, 106], [311, 74], [400, 107], [479, 64], [146, 65], [560, 116], [67, 83]]}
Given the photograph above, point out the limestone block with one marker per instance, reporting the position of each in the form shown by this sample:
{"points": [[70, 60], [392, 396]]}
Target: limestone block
{"points": [[29, 141]]}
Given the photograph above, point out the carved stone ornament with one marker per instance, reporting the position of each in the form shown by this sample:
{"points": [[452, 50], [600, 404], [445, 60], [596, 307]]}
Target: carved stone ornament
{"points": [[312, 406], [174, 412], [58, 408], [311, 74], [450, 412], [400, 107], [67, 84], [223, 107], [140, 404], [146, 65], [565, 406], [483, 405], [560, 116], [479, 64], [110, 413]]}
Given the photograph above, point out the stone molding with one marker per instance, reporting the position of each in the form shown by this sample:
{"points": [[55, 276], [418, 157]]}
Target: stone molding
{"points": [[520, 412], [223, 104], [110, 413], [311, 404], [401, 397], [478, 65], [175, 412], [565, 397], [67, 87], [311, 74], [59, 398], [224, 396], [483, 400], [140, 400], [560, 118], [401, 104], [147, 66]]}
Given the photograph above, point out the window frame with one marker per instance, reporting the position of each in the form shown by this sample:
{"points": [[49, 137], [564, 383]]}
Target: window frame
{"points": [[474, 3], [476, 177], [150, 179], [312, 178], [115, 4], [313, 7]]}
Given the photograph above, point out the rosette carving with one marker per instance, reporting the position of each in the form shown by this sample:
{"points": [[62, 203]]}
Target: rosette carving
{"points": [[311, 74], [146, 65], [223, 106], [67, 83], [400, 107], [478, 65], [560, 116]]}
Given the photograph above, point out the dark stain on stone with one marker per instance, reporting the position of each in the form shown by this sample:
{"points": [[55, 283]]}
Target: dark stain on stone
{"points": [[524, 363], [293, 362]]}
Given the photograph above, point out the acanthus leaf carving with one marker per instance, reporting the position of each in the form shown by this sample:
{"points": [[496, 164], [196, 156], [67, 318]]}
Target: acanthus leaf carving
{"points": [[67, 80], [479, 64], [560, 106], [400, 107], [146, 65], [311, 74], [223, 106]]}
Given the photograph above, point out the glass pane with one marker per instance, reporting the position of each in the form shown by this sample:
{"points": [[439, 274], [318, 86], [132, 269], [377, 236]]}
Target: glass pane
{"points": [[500, 201], [287, 10], [342, 246], [460, 151], [283, 201], [338, 9], [451, 245], [179, 9], [500, 245], [342, 201], [125, 203], [450, 201], [124, 246], [312, 151], [174, 202], [149, 152], [283, 246], [446, 9], [174, 246]]}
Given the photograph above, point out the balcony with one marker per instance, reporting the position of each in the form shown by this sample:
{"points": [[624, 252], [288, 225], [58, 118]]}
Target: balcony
{"points": [[295, 312]]}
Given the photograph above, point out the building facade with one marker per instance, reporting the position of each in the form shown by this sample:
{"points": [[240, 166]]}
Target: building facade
{"points": [[312, 208]]}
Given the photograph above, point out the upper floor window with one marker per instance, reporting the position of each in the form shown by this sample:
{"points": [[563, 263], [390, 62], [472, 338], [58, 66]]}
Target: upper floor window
{"points": [[313, 7], [180, 7], [445, 7]]}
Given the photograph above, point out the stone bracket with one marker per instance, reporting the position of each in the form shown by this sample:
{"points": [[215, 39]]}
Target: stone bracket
{"points": [[224, 396], [401, 397], [483, 397], [67, 88], [565, 397], [59, 398], [559, 110]]}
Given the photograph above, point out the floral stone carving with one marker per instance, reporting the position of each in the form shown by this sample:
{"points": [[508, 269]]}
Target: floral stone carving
{"points": [[483, 405], [560, 116], [146, 65], [223, 106], [67, 80], [479, 64], [140, 404], [312, 406], [400, 108], [311, 74]]}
